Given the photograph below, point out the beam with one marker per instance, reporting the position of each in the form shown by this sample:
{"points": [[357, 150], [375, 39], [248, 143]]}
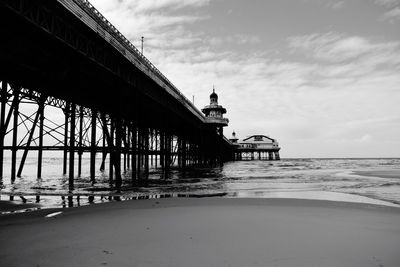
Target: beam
{"points": [[117, 153], [80, 140], [3, 130], [40, 150], [104, 151], [15, 134], [111, 149], [93, 147], [134, 151], [72, 147], [66, 113]]}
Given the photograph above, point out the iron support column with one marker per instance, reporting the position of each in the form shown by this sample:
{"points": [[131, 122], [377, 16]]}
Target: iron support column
{"points": [[15, 135], [72, 147], [152, 145], [93, 146], [184, 154], [139, 151], [128, 148], [40, 151], [156, 148], [111, 150], [66, 111], [147, 152], [124, 136], [134, 153], [162, 139], [80, 152], [117, 153], [3, 130], [104, 151]]}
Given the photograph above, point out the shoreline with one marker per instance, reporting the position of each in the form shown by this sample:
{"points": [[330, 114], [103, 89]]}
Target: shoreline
{"points": [[384, 173], [76, 201], [205, 232]]}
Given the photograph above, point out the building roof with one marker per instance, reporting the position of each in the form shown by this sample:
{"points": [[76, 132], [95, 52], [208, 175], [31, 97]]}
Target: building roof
{"points": [[258, 136], [213, 94]]}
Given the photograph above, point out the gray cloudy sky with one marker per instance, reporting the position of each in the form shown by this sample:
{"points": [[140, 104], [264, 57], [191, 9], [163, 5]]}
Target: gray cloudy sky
{"points": [[321, 76]]}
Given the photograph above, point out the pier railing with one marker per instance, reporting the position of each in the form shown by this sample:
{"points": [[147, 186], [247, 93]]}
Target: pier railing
{"points": [[112, 30]]}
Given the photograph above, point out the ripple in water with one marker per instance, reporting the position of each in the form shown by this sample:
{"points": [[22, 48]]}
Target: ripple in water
{"points": [[330, 179]]}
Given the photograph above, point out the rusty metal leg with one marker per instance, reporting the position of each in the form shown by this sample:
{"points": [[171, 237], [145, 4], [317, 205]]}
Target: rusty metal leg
{"points": [[128, 148], [124, 135], [168, 152], [3, 130], [104, 151], [93, 147], [162, 139], [111, 149], [139, 152], [72, 147], [15, 135], [66, 114], [151, 146], [147, 151], [184, 154], [117, 154], [134, 152], [40, 149], [80, 152], [156, 155]]}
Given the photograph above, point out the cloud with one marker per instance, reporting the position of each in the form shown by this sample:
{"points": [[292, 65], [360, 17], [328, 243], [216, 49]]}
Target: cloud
{"points": [[393, 6], [387, 3], [159, 22], [335, 47], [333, 4], [138, 6], [318, 99], [331, 46], [392, 14], [337, 5], [241, 39], [321, 87]]}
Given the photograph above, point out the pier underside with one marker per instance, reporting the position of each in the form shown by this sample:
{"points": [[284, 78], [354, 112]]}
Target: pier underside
{"points": [[66, 87]]}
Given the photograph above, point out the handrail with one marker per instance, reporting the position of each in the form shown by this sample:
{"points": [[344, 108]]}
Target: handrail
{"points": [[111, 29]]}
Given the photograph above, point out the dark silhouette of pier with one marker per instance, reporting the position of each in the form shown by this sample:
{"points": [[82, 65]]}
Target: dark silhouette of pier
{"points": [[64, 54]]}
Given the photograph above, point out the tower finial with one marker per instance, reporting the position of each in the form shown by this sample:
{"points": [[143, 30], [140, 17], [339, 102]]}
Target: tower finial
{"points": [[213, 88]]}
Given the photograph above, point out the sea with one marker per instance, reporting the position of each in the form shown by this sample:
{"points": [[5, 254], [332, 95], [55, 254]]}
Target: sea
{"points": [[346, 180]]}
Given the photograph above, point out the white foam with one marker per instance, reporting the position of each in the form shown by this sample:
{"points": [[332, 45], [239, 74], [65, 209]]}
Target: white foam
{"points": [[53, 214]]}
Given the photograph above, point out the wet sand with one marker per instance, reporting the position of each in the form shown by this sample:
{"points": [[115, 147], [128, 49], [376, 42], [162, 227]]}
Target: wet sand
{"points": [[205, 232], [380, 173], [11, 206]]}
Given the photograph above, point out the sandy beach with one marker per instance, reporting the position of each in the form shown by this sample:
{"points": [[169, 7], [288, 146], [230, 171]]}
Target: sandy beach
{"points": [[204, 232]]}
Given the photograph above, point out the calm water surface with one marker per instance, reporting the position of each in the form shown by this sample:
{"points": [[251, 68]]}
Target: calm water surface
{"points": [[328, 179]]}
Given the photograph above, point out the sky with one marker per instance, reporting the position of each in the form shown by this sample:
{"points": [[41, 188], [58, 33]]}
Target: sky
{"points": [[320, 76]]}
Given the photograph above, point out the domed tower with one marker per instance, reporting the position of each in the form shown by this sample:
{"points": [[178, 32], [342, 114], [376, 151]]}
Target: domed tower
{"points": [[234, 139], [214, 113]]}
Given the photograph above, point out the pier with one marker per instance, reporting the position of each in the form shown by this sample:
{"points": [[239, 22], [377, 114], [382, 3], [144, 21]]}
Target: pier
{"points": [[64, 57], [255, 147]]}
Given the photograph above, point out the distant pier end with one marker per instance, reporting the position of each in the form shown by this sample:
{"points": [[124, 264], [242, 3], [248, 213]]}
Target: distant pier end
{"points": [[259, 147]]}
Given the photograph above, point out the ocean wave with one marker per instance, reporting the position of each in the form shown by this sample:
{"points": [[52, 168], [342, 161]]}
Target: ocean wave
{"points": [[389, 184]]}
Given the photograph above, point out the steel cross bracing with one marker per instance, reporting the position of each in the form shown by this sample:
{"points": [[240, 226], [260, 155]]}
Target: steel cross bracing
{"points": [[25, 127]]}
